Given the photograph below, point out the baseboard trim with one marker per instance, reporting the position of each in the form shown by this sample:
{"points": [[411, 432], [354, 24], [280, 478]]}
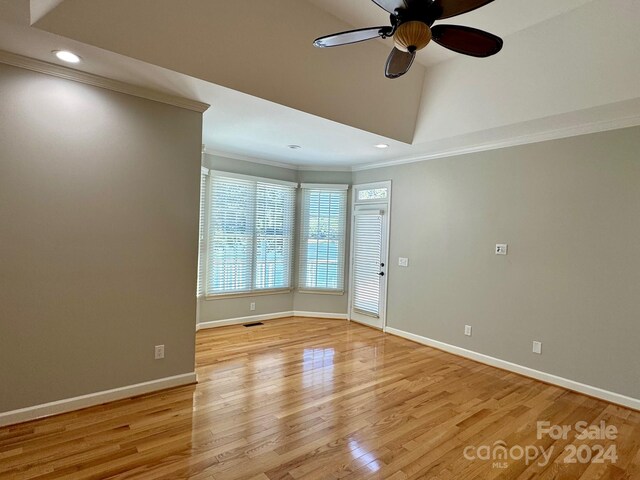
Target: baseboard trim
{"points": [[239, 320], [93, 399], [268, 316], [589, 390], [334, 316]]}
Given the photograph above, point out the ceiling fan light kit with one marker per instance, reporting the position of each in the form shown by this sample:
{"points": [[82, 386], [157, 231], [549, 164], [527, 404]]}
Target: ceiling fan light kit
{"points": [[412, 29], [412, 36]]}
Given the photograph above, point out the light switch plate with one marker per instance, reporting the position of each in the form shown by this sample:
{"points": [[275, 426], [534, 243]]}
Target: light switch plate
{"points": [[159, 352], [403, 262], [501, 248], [467, 330], [537, 347]]}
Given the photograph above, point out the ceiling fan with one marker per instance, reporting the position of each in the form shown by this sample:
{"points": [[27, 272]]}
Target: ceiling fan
{"points": [[412, 29]]}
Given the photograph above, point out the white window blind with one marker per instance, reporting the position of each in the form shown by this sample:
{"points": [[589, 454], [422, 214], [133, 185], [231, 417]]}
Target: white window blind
{"points": [[322, 237], [250, 234], [202, 243], [274, 224], [367, 251]]}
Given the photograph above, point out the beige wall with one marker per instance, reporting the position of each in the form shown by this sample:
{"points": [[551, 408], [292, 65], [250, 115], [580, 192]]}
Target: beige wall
{"points": [[98, 249], [569, 210], [210, 310]]}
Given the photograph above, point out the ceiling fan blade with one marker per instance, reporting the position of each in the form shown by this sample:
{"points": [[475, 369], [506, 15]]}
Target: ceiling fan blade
{"points": [[352, 36], [391, 5], [451, 8], [398, 63], [467, 40]]}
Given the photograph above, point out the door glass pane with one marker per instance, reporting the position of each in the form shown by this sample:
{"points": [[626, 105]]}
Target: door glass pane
{"points": [[372, 194], [366, 263]]}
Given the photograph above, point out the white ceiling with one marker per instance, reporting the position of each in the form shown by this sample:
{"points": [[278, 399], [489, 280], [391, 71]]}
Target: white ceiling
{"points": [[534, 90]]}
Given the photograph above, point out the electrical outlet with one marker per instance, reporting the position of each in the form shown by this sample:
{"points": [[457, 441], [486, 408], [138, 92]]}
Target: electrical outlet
{"points": [[537, 347], [467, 330], [501, 248], [252, 306], [159, 352], [403, 262]]}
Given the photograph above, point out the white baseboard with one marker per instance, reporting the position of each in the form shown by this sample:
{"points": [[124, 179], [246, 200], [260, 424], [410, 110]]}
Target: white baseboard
{"points": [[92, 399], [240, 320], [334, 316], [268, 316], [592, 391]]}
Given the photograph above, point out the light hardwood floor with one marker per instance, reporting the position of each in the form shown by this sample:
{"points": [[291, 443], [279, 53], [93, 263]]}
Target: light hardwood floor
{"points": [[322, 399]]}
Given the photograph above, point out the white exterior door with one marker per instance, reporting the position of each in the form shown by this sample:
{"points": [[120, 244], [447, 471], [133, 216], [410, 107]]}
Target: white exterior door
{"points": [[369, 252]]}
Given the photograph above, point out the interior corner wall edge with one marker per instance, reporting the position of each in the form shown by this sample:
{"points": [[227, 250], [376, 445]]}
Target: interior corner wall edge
{"points": [[568, 209], [99, 196]]}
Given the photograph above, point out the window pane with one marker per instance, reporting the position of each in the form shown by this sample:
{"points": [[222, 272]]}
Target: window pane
{"points": [[372, 194]]}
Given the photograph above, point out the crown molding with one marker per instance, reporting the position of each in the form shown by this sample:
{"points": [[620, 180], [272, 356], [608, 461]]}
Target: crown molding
{"points": [[288, 166], [245, 158], [323, 168], [98, 81], [555, 134]]}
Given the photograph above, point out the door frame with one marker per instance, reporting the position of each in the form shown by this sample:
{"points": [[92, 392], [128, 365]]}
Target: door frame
{"points": [[385, 240]]}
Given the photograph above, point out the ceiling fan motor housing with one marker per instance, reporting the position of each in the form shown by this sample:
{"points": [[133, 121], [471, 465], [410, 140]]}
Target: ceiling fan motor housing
{"points": [[412, 36]]}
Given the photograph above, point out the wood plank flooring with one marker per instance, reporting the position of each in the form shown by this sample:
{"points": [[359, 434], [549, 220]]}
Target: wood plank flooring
{"points": [[325, 399]]}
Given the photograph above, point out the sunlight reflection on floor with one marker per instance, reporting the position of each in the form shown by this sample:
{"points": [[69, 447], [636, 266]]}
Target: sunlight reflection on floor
{"points": [[363, 457], [317, 366]]}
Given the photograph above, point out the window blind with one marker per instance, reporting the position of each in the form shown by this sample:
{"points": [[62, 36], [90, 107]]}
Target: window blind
{"points": [[367, 251], [231, 228], [274, 224], [202, 243], [322, 237], [250, 234]]}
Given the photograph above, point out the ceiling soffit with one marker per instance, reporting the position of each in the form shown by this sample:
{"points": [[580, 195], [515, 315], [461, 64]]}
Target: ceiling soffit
{"points": [[259, 48]]}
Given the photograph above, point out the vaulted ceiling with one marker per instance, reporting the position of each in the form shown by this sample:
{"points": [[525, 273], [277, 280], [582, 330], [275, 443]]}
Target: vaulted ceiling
{"points": [[567, 68]]}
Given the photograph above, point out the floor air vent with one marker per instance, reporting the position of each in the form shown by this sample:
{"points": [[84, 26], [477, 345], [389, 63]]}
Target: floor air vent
{"points": [[253, 324]]}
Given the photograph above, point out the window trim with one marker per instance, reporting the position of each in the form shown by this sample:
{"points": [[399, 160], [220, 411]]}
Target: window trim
{"points": [[371, 186], [321, 291], [253, 293], [322, 186], [251, 178]]}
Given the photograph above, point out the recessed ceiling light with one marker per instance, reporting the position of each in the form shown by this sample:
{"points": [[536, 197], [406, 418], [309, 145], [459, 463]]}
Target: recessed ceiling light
{"points": [[66, 56], [294, 147], [381, 145]]}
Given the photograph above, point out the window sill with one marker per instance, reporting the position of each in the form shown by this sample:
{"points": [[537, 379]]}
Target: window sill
{"points": [[320, 292], [258, 293]]}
